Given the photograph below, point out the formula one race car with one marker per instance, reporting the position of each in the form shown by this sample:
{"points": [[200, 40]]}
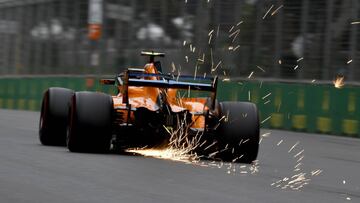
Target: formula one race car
{"points": [[149, 108]]}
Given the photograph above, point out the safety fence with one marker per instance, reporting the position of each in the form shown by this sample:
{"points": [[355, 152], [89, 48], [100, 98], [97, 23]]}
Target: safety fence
{"points": [[288, 39], [311, 107]]}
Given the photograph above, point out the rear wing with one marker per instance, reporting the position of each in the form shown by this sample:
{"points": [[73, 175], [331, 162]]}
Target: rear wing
{"points": [[137, 78], [170, 81]]}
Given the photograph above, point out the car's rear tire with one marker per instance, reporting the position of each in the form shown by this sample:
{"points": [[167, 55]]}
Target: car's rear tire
{"points": [[238, 133], [90, 121], [53, 116]]}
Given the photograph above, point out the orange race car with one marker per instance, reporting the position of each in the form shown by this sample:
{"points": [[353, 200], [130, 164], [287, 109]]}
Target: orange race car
{"points": [[149, 108]]}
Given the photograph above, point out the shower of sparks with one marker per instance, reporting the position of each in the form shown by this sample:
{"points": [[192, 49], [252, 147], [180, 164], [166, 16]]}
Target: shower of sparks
{"points": [[266, 119], [349, 61], [339, 82], [272, 6], [180, 147], [296, 182], [168, 153], [176, 151], [299, 179], [276, 10]]}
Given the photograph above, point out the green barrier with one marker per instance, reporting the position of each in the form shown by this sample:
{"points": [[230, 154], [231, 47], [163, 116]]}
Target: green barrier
{"points": [[300, 107], [297, 107]]}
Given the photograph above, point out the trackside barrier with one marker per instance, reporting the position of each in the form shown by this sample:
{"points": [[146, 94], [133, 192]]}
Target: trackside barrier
{"points": [[26, 93], [316, 108]]}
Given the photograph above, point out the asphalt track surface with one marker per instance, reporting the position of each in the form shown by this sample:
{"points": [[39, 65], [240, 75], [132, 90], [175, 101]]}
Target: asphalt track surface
{"points": [[30, 172]]}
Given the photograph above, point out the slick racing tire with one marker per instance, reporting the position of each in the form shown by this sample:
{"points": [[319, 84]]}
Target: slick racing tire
{"points": [[53, 116], [90, 121], [238, 133]]}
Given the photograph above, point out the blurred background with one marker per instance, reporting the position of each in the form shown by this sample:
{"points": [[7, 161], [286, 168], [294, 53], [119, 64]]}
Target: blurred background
{"points": [[282, 55], [285, 39]]}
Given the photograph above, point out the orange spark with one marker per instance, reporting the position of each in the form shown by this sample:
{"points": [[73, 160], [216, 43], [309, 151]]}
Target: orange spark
{"points": [[339, 82]]}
